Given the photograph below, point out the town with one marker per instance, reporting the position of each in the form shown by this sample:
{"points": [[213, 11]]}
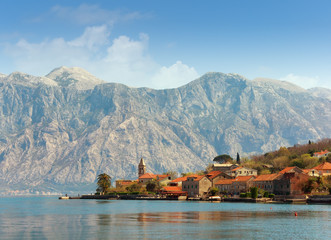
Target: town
{"points": [[227, 180]]}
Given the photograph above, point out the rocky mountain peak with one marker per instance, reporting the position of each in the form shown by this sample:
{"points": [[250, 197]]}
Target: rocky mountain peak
{"points": [[276, 84], [27, 80], [74, 77]]}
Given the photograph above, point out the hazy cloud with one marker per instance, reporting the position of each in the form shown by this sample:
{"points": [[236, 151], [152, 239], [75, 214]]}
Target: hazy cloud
{"points": [[86, 14], [302, 81], [121, 60]]}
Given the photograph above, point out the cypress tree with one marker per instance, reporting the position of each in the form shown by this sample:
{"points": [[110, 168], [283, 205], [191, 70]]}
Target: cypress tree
{"points": [[238, 158]]}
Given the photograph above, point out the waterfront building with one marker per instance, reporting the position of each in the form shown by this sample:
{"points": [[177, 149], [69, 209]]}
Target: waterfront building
{"points": [[242, 184], [215, 176], [265, 182], [196, 186], [224, 185]]}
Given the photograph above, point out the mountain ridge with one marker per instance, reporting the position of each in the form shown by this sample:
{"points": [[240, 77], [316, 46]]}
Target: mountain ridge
{"points": [[60, 138]]}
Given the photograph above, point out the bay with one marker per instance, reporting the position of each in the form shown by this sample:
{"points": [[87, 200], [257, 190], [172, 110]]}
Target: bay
{"points": [[50, 218]]}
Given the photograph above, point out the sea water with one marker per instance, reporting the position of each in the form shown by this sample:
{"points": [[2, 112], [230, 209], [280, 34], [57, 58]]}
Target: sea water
{"points": [[51, 218]]}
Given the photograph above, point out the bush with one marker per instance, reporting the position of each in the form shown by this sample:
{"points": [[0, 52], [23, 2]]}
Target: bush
{"points": [[271, 195], [213, 191], [248, 195], [266, 194], [243, 195]]}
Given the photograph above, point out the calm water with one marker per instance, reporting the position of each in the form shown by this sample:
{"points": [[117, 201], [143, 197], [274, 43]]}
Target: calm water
{"points": [[50, 218]]}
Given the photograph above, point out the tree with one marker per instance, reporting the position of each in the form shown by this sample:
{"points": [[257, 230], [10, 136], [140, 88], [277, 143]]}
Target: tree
{"points": [[172, 174], [238, 158], [134, 188], [104, 183], [254, 192], [152, 186], [223, 158]]}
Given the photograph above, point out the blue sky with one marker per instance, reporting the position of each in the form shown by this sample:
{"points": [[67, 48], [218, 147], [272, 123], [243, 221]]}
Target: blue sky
{"points": [[164, 44]]}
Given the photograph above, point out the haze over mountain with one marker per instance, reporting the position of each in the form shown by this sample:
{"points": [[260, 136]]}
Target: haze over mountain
{"points": [[60, 131]]}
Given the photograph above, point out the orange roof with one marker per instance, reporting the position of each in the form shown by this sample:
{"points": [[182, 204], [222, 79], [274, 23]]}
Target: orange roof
{"points": [[286, 170], [182, 179], [171, 189], [198, 178], [147, 176], [321, 152], [161, 176], [224, 181], [306, 170], [233, 170], [323, 166], [266, 177], [243, 178], [213, 174]]}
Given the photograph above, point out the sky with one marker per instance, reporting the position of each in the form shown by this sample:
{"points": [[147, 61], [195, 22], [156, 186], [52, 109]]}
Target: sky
{"points": [[166, 44]]}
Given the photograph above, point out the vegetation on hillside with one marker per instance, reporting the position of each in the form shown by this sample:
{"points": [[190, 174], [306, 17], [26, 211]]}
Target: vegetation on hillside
{"points": [[301, 156]]}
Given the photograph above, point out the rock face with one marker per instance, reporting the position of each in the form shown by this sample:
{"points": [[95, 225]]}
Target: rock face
{"points": [[60, 131]]}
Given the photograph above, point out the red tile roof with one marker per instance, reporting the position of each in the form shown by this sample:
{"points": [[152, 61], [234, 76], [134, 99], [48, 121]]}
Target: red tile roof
{"points": [[323, 166], [321, 153], [288, 169], [233, 170], [198, 178], [243, 178], [224, 182], [266, 177], [148, 176], [213, 174]]}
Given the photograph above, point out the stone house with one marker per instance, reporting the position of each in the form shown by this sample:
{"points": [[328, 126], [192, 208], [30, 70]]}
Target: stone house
{"points": [[196, 186], [224, 185], [290, 183], [323, 169], [215, 176], [243, 171], [265, 182], [224, 167], [242, 184]]}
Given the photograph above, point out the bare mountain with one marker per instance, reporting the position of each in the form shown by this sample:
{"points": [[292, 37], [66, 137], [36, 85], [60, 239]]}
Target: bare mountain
{"points": [[60, 131], [321, 92]]}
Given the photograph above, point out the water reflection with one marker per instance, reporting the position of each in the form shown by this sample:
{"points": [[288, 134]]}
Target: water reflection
{"points": [[104, 220]]}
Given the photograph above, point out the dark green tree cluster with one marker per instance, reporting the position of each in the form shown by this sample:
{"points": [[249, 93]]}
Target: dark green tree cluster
{"points": [[224, 158], [104, 183]]}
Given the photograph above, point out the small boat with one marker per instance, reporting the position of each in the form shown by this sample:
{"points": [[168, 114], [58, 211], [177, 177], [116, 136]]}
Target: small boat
{"points": [[215, 198], [64, 197]]}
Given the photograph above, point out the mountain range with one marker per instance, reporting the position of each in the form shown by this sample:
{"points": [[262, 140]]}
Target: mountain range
{"points": [[60, 131]]}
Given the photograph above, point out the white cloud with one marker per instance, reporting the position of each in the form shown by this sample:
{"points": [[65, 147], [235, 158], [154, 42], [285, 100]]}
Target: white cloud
{"points": [[302, 81], [122, 60], [174, 76]]}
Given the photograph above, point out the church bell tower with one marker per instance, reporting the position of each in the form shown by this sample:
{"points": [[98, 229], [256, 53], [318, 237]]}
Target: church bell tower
{"points": [[141, 168]]}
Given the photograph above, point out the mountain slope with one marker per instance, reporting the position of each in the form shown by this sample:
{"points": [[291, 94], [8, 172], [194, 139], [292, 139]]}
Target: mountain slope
{"points": [[59, 132]]}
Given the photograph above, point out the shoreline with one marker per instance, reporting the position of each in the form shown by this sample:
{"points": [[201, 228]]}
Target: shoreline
{"points": [[315, 199]]}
